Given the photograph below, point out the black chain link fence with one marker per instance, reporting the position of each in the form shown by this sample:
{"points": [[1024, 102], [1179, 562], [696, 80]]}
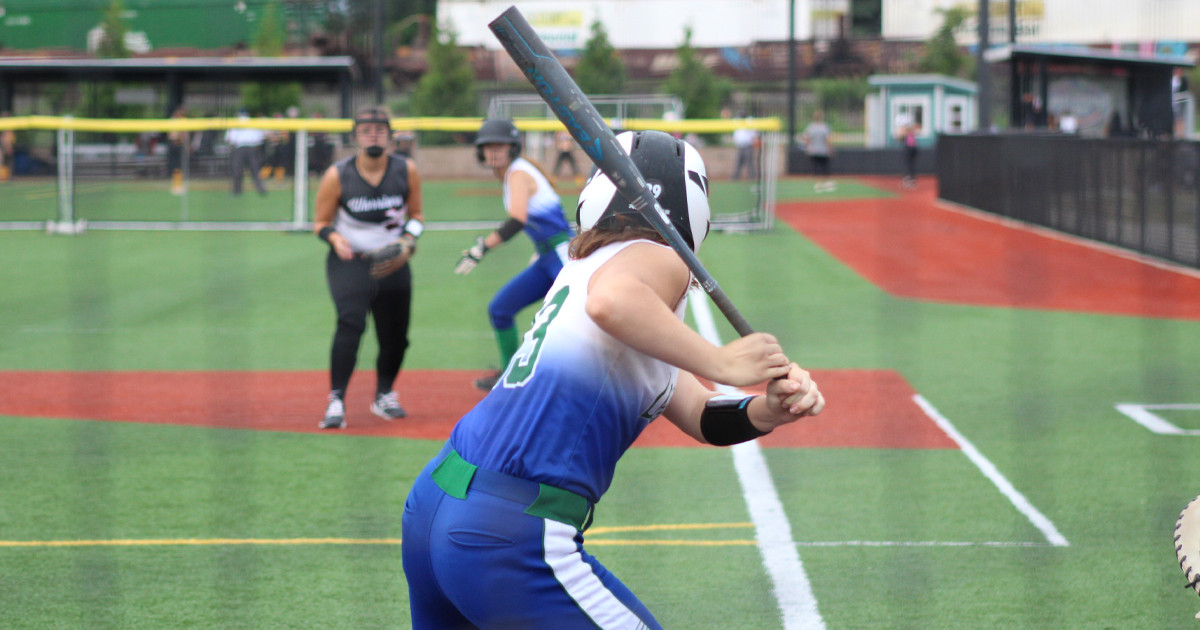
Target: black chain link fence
{"points": [[1142, 195]]}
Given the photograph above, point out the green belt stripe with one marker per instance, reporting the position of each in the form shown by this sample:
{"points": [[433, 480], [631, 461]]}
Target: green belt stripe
{"points": [[549, 244], [454, 474]]}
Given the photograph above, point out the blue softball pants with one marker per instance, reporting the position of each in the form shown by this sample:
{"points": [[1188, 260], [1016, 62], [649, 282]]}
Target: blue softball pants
{"points": [[483, 561], [525, 288]]}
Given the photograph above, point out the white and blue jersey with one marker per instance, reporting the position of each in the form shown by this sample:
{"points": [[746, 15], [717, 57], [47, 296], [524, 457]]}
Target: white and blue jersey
{"points": [[544, 223], [493, 525], [572, 400]]}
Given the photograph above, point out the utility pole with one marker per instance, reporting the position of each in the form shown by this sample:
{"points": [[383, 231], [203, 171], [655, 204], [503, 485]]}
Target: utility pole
{"points": [[380, 58], [983, 72], [1012, 21], [791, 82]]}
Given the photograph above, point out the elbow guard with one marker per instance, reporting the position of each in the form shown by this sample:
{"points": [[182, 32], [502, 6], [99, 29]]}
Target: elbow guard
{"points": [[726, 421]]}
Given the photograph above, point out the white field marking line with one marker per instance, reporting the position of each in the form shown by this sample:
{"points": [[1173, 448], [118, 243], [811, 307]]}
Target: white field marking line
{"points": [[780, 554], [989, 470], [1141, 414], [1107, 248], [921, 543]]}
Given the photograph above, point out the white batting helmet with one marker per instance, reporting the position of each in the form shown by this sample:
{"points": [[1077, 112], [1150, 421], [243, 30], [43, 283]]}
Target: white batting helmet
{"points": [[675, 174]]}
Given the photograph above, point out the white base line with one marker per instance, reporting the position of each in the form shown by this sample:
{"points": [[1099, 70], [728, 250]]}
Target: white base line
{"points": [[989, 470], [773, 531], [1108, 248], [919, 543]]}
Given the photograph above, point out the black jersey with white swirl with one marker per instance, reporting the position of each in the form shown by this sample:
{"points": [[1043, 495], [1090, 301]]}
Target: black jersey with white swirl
{"points": [[372, 216]]}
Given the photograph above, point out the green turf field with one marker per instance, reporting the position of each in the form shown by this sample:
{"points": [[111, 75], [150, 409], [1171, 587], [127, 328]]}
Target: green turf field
{"points": [[189, 527], [150, 199]]}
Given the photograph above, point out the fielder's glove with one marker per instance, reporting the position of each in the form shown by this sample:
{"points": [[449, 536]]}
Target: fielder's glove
{"points": [[471, 257], [387, 259]]}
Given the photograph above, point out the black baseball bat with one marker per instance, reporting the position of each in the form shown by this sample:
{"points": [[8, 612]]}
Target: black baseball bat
{"points": [[585, 124]]}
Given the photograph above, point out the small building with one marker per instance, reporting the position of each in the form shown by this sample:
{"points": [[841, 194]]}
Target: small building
{"points": [[1115, 93], [936, 103]]}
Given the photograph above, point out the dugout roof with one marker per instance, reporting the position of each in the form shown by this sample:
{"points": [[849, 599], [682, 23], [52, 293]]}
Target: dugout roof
{"points": [[1147, 101], [177, 72]]}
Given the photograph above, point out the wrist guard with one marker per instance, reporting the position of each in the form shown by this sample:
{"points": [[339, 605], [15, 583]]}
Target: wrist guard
{"points": [[726, 421], [325, 232], [414, 227]]}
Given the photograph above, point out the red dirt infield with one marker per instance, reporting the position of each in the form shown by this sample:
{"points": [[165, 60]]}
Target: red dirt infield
{"points": [[873, 408], [912, 247]]}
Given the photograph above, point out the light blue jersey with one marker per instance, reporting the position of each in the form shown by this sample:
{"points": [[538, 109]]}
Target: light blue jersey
{"points": [[573, 398]]}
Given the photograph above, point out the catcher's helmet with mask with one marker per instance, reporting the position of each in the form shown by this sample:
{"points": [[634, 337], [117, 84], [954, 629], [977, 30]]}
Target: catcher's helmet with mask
{"points": [[675, 173]]}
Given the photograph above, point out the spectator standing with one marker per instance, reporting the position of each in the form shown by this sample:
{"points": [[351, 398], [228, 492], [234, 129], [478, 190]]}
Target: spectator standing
{"points": [[8, 151], [817, 145], [245, 155], [365, 202], [178, 141], [746, 140], [908, 143], [564, 144]]}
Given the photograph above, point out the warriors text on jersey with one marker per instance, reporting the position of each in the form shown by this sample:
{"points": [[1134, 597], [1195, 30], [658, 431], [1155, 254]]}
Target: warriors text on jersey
{"points": [[573, 398], [372, 216]]}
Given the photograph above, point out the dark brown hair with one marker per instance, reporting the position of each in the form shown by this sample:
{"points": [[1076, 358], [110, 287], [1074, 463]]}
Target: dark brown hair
{"points": [[624, 229]]}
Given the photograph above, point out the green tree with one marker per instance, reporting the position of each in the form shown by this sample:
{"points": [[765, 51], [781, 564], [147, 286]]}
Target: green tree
{"points": [[268, 98], [600, 70], [98, 99], [701, 91], [942, 54], [448, 86], [114, 28]]}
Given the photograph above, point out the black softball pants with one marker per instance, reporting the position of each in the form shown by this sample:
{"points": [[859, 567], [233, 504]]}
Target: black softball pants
{"points": [[388, 300]]}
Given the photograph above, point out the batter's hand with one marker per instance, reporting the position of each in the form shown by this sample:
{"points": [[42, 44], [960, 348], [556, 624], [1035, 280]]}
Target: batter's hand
{"points": [[387, 259], [794, 397], [750, 360], [471, 257]]}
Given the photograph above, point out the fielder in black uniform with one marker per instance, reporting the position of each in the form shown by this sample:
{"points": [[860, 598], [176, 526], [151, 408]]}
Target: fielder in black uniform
{"points": [[368, 209]]}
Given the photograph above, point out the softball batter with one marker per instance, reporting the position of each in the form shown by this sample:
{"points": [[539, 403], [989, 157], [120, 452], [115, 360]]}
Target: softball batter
{"points": [[533, 207], [368, 203], [493, 527]]}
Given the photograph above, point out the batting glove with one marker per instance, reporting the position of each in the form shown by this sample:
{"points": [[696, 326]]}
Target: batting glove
{"points": [[471, 257]]}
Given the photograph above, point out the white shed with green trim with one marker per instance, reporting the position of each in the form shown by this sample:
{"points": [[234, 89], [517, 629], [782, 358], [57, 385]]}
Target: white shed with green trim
{"points": [[937, 103]]}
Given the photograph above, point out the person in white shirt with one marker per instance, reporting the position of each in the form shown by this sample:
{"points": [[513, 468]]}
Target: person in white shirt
{"points": [[746, 141], [1068, 123], [245, 146]]}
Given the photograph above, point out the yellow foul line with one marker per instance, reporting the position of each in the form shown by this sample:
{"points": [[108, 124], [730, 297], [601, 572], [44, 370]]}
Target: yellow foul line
{"points": [[182, 542]]}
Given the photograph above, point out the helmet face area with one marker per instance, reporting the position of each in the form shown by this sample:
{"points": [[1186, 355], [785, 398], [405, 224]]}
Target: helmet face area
{"points": [[674, 172], [498, 131]]}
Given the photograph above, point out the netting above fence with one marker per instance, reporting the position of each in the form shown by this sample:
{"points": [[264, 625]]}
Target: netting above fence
{"points": [[172, 174]]}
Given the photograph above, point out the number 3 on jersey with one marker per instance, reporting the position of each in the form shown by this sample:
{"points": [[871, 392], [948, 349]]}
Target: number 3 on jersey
{"points": [[524, 362]]}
